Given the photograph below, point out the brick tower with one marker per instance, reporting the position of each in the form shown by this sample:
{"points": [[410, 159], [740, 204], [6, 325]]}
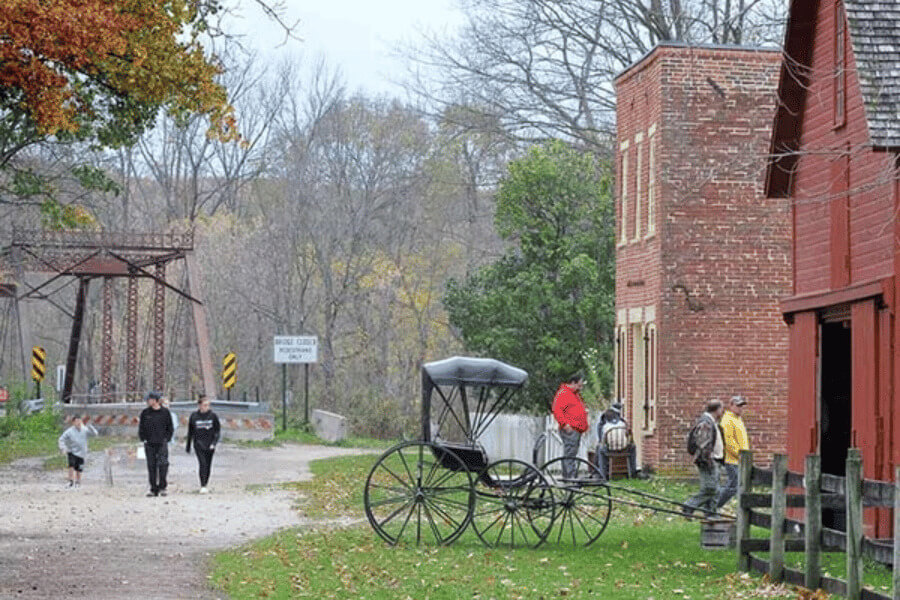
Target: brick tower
{"points": [[703, 257]]}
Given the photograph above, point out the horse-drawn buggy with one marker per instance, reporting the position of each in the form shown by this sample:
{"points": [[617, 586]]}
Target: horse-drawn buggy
{"points": [[433, 489]]}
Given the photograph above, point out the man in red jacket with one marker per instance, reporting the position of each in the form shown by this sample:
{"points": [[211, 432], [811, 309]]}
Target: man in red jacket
{"points": [[570, 413]]}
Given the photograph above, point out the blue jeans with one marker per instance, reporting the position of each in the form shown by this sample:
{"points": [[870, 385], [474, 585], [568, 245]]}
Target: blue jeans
{"points": [[731, 484]]}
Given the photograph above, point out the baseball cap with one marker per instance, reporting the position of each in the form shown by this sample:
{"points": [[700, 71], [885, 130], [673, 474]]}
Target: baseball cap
{"points": [[738, 400]]}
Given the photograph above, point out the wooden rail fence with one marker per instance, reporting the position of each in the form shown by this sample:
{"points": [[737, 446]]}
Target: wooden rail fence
{"points": [[820, 491]]}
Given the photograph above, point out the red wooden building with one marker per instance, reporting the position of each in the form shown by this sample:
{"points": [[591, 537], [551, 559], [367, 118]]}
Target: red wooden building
{"points": [[834, 155], [702, 256]]}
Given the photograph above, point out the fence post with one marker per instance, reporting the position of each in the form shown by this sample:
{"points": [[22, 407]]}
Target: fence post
{"points": [[745, 484], [779, 505], [813, 529], [853, 483], [896, 533]]}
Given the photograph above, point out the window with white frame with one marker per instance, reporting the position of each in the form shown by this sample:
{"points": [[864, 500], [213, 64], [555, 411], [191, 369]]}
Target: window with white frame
{"points": [[651, 181], [620, 362], [638, 177], [623, 194], [651, 358]]}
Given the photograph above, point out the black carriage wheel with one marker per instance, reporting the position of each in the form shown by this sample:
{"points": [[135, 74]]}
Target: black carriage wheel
{"points": [[583, 505], [515, 505], [411, 494]]}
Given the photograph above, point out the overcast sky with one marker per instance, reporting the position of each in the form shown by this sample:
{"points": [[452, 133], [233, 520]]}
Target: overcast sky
{"points": [[357, 36]]}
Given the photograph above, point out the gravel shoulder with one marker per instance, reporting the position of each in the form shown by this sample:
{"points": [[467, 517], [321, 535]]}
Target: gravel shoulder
{"points": [[112, 542]]}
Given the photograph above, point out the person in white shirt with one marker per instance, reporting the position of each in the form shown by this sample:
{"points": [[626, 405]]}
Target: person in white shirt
{"points": [[614, 436]]}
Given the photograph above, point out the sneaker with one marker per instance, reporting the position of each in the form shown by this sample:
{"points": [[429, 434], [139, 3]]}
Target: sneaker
{"points": [[152, 494], [78, 484], [163, 493], [203, 490], [70, 484]]}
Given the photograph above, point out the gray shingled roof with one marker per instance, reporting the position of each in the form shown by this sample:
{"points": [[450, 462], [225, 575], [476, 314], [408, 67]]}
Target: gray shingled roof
{"points": [[875, 36]]}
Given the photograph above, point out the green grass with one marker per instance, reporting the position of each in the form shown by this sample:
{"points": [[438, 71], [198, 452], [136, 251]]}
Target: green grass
{"points": [[640, 556], [34, 435]]}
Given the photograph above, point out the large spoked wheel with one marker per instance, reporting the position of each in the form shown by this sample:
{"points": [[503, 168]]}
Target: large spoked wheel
{"points": [[583, 505], [419, 492], [515, 505]]}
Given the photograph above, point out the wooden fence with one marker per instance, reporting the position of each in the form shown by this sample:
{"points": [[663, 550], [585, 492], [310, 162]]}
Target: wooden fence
{"points": [[820, 491]]}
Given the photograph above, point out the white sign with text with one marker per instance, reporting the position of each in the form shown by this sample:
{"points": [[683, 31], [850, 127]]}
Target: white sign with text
{"points": [[294, 349]]}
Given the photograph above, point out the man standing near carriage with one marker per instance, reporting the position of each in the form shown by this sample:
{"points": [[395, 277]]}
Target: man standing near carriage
{"points": [[571, 415]]}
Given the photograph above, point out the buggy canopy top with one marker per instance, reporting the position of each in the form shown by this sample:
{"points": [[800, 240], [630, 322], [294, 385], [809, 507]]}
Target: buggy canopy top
{"points": [[464, 370]]}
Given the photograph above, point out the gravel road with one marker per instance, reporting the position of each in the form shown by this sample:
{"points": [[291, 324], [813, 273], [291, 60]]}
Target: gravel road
{"points": [[112, 542]]}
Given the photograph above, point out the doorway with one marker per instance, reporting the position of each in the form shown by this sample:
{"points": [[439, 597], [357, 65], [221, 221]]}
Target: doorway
{"points": [[638, 391], [835, 407]]}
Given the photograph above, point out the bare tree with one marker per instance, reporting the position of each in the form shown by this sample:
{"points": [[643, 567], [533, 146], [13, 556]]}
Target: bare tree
{"points": [[544, 68]]}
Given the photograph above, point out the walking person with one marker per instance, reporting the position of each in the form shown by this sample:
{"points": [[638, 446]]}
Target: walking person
{"points": [[736, 439], [706, 445], [571, 415], [168, 407], [155, 430], [203, 430], [74, 444]]}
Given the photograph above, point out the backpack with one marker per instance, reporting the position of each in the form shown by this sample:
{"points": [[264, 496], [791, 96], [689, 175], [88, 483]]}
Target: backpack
{"points": [[692, 446]]}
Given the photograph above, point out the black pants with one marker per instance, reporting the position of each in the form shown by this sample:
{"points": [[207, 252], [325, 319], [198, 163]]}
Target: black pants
{"points": [[204, 459], [157, 465]]}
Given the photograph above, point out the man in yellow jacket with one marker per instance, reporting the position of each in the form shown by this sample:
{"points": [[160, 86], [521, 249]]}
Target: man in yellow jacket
{"points": [[735, 440]]}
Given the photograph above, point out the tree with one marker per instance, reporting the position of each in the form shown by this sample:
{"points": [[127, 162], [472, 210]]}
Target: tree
{"points": [[544, 68], [549, 299], [104, 67]]}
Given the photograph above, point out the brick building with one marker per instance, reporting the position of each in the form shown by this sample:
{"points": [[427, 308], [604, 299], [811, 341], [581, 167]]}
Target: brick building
{"points": [[836, 152], [703, 257]]}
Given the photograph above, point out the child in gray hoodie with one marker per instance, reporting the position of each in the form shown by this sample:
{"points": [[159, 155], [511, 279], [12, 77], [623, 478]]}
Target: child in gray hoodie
{"points": [[74, 444]]}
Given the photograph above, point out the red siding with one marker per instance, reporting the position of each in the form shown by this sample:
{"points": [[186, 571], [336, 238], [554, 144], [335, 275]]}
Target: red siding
{"points": [[802, 399]]}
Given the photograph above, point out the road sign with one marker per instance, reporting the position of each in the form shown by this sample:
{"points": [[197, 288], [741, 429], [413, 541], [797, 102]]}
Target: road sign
{"points": [[296, 349], [229, 370], [60, 377], [37, 363], [4, 394]]}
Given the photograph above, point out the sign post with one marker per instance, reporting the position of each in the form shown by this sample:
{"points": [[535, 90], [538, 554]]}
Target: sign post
{"points": [[38, 368], [229, 373], [294, 349]]}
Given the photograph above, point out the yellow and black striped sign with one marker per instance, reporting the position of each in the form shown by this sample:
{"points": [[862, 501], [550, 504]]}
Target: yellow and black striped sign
{"points": [[229, 370], [38, 369]]}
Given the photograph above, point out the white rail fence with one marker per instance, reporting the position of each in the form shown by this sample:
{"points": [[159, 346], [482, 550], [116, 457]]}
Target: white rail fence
{"points": [[515, 436]]}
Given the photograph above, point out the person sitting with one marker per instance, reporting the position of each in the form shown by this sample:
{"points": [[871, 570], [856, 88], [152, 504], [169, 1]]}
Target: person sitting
{"points": [[614, 436]]}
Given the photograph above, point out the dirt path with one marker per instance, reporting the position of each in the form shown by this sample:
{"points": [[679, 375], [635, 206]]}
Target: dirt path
{"points": [[112, 542]]}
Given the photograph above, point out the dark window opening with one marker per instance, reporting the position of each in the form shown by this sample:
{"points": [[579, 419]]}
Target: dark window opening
{"points": [[835, 415]]}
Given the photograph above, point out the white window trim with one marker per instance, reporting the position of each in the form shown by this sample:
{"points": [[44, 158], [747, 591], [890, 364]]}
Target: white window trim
{"points": [[623, 195], [652, 332], [638, 176], [652, 200]]}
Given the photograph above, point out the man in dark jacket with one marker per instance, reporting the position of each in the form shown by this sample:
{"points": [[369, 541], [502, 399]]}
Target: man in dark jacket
{"points": [[709, 451], [203, 430], [155, 430]]}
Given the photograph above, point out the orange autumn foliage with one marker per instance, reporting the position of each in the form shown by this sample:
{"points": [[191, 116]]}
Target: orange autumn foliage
{"points": [[64, 62]]}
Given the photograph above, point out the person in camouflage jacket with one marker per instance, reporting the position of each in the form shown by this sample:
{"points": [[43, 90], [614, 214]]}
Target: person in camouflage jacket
{"points": [[709, 450]]}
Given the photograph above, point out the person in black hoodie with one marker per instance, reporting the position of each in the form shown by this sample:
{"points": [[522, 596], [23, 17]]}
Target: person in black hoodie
{"points": [[155, 430], [203, 429]]}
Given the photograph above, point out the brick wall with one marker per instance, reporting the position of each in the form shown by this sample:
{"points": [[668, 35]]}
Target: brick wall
{"points": [[712, 275]]}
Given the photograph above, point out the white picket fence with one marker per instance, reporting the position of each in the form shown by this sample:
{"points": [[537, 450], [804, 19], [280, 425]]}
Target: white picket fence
{"points": [[515, 436]]}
